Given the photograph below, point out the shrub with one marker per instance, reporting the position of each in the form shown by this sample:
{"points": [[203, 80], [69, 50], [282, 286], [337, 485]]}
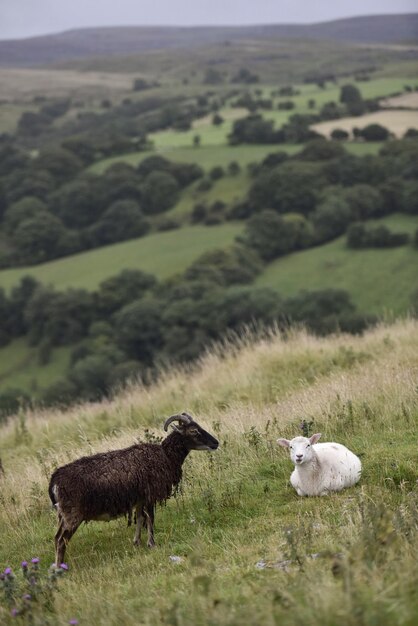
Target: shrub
{"points": [[30, 595], [217, 172], [358, 236], [338, 134], [159, 192], [374, 132]]}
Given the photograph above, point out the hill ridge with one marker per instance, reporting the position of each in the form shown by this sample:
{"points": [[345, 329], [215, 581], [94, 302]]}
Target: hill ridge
{"points": [[122, 40]]}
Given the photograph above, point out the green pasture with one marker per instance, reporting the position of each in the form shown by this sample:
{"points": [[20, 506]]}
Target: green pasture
{"points": [[205, 156], [20, 366], [210, 156], [378, 280], [162, 254], [235, 544], [228, 189], [214, 148]]}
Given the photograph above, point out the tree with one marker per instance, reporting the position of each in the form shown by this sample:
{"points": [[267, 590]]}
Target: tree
{"points": [[410, 197], [330, 218], [24, 209], [322, 311], [79, 203], [217, 120], [338, 134], [6, 318], [123, 220], [19, 298], [216, 172], [38, 184], [270, 235], [226, 267], [321, 150], [374, 132], [61, 317], [32, 124], [138, 329], [91, 376], [351, 97], [234, 168], [119, 290], [244, 75], [159, 192], [289, 188], [212, 77], [356, 236], [120, 182], [235, 308], [61, 163], [196, 141], [39, 238], [364, 201]]}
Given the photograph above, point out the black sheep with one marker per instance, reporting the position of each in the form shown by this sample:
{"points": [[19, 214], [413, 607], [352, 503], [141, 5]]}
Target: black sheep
{"points": [[111, 484]]}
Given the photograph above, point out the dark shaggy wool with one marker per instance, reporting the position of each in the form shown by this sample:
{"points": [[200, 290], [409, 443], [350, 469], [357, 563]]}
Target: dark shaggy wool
{"points": [[111, 484]]}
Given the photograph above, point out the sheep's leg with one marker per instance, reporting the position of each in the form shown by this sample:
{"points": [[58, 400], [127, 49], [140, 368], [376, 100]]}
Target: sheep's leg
{"points": [[138, 514], [149, 513], [63, 537], [59, 532]]}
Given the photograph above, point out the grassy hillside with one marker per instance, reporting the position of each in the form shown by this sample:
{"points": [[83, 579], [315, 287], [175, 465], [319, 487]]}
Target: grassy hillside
{"points": [[236, 519], [20, 366], [378, 280], [162, 254], [214, 148]]}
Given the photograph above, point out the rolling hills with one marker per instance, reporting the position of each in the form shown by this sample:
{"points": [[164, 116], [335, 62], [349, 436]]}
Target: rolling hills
{"points": [[118, 41]]}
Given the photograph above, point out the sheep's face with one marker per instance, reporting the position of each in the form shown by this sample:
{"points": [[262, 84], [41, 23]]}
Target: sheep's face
{"points": [[196, 438], [300, 448]]}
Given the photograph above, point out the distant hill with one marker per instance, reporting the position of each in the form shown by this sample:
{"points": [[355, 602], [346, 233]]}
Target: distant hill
{"points": [[114, 41]]}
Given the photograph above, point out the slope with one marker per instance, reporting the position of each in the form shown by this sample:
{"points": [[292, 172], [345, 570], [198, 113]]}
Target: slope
{"points": [[238, 529]]}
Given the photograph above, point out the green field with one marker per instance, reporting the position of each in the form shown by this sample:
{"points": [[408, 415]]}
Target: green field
{"points": [[210, 156], [379, 280], [228, 189], [242, 538], [214, 149], [20, 367], [162, 254]]}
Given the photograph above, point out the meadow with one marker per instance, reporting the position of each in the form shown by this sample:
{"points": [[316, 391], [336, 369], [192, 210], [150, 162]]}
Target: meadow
{"points": [[214, 149], [242, 537], [162, 254], [379, 281], [397, 122], [209, 156]]}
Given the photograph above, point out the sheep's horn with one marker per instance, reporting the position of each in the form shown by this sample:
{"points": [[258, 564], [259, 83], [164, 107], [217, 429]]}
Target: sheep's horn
{"points": [[186, 419]]}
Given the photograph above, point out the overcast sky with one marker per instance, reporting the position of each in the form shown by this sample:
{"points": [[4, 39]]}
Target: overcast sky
{"points": [[25, 18]]}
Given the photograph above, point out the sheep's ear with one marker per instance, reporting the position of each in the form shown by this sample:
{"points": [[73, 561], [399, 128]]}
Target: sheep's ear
{"points": [[283, 442], [315, 438]]}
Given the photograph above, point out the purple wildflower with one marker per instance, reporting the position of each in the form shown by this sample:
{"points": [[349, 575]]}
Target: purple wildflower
{"points": [[64, 566], [35, 560], [24, 564], [73, 622], [8, 571], [14, 612], [27, 596]]}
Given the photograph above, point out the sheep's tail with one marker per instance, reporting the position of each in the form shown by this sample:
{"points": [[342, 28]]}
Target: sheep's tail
{"points": [[52, 490]]}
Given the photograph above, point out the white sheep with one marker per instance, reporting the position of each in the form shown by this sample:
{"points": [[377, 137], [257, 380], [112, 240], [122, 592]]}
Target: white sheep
{"points": [[321, 467]]}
